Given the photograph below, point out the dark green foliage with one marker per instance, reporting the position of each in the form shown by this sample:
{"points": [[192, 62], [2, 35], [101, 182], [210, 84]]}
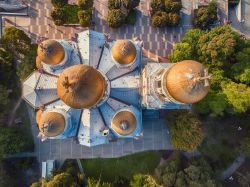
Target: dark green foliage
{"points": [[131, 18], [59, 3], [159, 19], [58, 16], [205, 16], [27, 66], [165, 13], [85, 4], [186, 132], [115, 18], [227, 56], [130, 4], [71, 14], [114, 4], [245, 146], [17, 41], [173, 6], [97, 183], [143, 181], [84, 18], [175, 172]]}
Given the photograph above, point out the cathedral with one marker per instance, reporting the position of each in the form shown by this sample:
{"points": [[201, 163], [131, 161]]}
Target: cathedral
{"points": [[94, 89]]}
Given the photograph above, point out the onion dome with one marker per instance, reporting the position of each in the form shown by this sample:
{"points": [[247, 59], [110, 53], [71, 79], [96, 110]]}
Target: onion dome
{"points": [[187, 81], [39, 63], [51, 124], [124, 52], [81, 86], [50, 52], [124, 122]]}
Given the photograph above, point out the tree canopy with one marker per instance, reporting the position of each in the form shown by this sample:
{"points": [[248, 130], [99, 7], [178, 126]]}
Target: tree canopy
{"points": [[227, 56], [186, 131]]}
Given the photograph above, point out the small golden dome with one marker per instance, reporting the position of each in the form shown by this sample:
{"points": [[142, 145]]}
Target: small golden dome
{"points": [[186, 81], [124, 122], [123, 52], [51, 124], [81, 86], [50, 52], [38, 63]]}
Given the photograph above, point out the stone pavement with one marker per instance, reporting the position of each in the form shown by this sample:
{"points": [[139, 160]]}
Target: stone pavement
{"points": [[156, 137], [160, 41]]}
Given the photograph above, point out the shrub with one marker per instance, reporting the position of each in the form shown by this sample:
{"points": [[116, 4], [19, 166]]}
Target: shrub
{"points": [[173, 19], [58, 15], [84, 18], [59, 3], [115, 18], [85, 4], [130, 4], [159, 19], [157, 5], [131, 18], [173, 6], [114, 4]]}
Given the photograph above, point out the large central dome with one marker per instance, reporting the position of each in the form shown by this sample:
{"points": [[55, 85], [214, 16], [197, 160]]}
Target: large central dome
{"points": [[81, 86]]}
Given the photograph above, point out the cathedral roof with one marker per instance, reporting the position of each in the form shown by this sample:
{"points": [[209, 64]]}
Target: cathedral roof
{"points": [[186, 81], [123, 52], [124, 122], [81, 86], [51, 124], [50, 52]]}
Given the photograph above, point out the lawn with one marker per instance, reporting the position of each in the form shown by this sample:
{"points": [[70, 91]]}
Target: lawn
{"points": [[71, 14], [113, 169]]}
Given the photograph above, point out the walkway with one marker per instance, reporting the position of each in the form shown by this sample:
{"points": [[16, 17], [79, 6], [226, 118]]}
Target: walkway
{"points": [[159, 41], [233, 167], [156, 137]]}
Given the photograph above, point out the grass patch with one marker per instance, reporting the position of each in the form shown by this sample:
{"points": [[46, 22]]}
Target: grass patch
{"points": [[114, 169], [71, 14]]}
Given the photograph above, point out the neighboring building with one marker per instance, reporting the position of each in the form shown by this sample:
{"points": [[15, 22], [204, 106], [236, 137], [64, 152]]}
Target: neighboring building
{"points": [[95, 89], [47, 168]]}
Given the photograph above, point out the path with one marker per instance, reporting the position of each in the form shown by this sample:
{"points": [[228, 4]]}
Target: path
{"points": [[13, 113], [158, 41], [233, 167]]}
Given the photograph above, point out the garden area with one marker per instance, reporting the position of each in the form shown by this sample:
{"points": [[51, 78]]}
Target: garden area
{"points": [[121, 12], [165, 12], [121, 170], [80, 13]]}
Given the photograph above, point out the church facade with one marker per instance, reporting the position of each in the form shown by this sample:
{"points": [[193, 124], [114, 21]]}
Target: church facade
{"points": [[95, 89]]}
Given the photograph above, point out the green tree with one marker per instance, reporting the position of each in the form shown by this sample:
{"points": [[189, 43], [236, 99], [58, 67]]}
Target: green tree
{"points": [[115, 18], [130, 4], [159, 19], [140, 180], [114, 4], [97, 183], [85, 4], [84, 18], [58, 16], [205, 16], [27, 65], [17, 41], [59, 3], [245, 146], [186, 131], [173, 6], [237, 95], [157, 5]]}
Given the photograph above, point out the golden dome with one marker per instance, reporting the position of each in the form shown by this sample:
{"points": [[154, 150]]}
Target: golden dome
{"points": [[50, 52], [124, 122], [187, 81], [39, 63], [81, 86], [124, 52], [50, 124]]}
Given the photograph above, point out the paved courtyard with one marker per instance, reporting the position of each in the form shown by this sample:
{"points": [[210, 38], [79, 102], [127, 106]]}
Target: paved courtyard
{"points": [[156, 137], [160, 41]]}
